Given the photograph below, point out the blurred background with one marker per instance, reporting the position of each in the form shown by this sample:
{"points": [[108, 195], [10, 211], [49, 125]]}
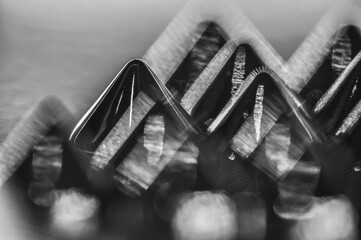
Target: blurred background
{"points": [[73, 48]]}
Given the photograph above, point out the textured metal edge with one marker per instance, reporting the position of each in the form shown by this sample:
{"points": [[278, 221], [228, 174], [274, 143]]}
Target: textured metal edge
{"points": [[168, 51], [311, 53], [29, 131]]}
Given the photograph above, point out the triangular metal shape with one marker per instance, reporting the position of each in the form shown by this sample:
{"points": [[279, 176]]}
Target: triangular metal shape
{"points": [[310, 59], [108, 133]]}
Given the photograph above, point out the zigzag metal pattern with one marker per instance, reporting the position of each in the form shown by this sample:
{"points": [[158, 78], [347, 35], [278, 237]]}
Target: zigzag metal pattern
{"points": [[169, 50]]}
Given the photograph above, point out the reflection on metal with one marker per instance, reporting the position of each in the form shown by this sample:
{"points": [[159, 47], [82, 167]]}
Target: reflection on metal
{"points": [[258, 110], [206, 48], [232, 156], [336, 86], [120, 132], [135, 174], [46, 167], [178, 177], [341, 52], [331, 218], [245, 142], [205, 216], [73, 214], [153, 138], [357, 167], [234, 100], [238, 69], [192, 97], [277, 144], [350, 121], [49, 113], [131, 102]]}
